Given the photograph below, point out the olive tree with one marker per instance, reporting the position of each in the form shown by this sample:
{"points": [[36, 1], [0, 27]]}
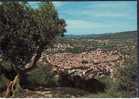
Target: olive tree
{"points": [[25, 33]]}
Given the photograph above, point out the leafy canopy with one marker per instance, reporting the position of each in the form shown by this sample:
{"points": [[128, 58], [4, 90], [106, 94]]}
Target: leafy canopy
{"points": [[25, 31]]}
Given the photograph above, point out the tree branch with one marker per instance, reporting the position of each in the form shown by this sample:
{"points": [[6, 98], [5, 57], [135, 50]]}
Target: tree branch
{"points": [[34, 59]]}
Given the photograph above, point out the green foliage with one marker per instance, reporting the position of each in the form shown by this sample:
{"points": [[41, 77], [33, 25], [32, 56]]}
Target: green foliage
{"points": [[126, 79], [108, 94], [42, 75], [3, 82], [16, 24], [74, 50], [104, 46], [48, 22], [107, 81], [111, 90], [25, 31]]}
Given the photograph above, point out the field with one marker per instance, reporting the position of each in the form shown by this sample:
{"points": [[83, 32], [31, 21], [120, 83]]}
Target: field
{"points": [[85, 66]]}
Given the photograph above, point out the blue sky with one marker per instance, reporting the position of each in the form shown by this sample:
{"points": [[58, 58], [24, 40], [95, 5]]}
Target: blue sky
{"points": [[97, 16]]}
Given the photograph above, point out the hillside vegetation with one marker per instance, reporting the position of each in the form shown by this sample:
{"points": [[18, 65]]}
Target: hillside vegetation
{"points": [[118, 35], [103, 66], [99, 67]]}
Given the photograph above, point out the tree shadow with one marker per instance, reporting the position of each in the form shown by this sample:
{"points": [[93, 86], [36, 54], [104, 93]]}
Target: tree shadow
{"points": [[90, 85], [66, 80]]}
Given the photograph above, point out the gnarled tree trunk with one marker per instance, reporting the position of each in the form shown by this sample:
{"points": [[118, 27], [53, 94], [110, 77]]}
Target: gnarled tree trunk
{"points": [[12, 86], [10, 91]]}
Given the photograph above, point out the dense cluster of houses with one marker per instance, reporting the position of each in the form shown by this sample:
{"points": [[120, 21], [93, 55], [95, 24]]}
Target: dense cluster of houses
{"points": [[95, 63]]}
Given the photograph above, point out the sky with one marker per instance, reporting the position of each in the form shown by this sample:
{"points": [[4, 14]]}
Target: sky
{"points": [[96, 17]]}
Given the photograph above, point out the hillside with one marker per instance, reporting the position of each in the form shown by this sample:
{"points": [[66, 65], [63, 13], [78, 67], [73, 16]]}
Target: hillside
{"points": [[118, 35], [85, 66]]}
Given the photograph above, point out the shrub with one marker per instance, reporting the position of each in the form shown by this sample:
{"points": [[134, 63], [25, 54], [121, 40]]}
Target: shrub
{"points": [[126, 79], [103, 46], [74, 50], [112, 89], [42, 75], [3, 81]]}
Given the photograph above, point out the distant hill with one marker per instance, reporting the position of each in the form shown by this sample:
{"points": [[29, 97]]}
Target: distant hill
{"points": [[118, 35]]}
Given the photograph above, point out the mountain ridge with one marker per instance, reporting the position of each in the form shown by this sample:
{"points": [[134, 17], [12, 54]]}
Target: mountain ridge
{"points": [[116, 35]]}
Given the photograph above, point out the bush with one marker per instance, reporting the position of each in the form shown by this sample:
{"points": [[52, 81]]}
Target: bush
{"points": [[126, 79], [107, 81], [74, 50], [108, 94], [3, 81], [103, 46], [42, 76], [112, 89]]}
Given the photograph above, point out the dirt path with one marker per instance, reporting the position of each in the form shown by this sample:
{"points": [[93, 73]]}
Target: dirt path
{"points": [[59, 92]]}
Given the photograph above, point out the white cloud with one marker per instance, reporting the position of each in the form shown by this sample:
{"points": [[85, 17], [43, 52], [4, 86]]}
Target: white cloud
{"points": [[88, 27], [111, 14], [102, 13], [83, 24], [100, 9], [96, 13], [79, 24], [111, 4]]}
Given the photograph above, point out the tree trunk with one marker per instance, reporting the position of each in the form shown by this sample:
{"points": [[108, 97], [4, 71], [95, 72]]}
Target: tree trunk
{"points": [[32, 64], [13, 87], [8, 90]]}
